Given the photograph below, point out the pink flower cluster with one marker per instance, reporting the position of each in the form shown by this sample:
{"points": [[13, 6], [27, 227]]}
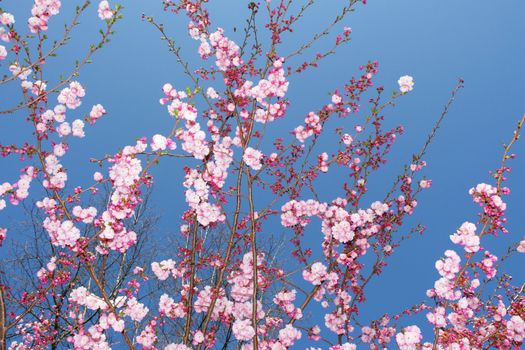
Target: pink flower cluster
{"points": [[135, 310], [148, 337], [299, 212], [161, 143], [337, 222], [226, 51], [284, 299], [241, 280], [173, 310], [409, 338], [287, 337], [217, 169], [437, 317], [312, 126], [85, 215], [70, 96], [62, 234], [487, 264], [96, 112], [41, 12], [450, 266], [488, 197], [173, 346], [276, 85], [104, 10], [197, 198], [194, 139], [243, 330], [81, 296], [335, 322], [20, 190], [124, 175], [93, 339], [466, 236], [318, 273], [516, 328], [6, 19], [252, 158], [444, 288], [166, 268], [17, 71]]}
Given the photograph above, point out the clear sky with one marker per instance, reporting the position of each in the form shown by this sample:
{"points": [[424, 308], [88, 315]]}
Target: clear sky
{"points": [[435, 41]]}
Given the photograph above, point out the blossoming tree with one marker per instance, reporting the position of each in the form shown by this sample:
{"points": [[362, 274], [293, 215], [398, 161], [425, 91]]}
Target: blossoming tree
{"points": [[225, 285]]}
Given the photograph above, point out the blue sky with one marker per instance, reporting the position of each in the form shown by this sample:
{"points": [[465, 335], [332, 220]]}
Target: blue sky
{"points": [[434, 41]]}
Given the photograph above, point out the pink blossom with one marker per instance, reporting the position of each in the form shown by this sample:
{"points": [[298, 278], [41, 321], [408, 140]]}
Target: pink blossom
{"points": [[97, 176], [42, 11], [444, 288], [78, 128], [148, 336], [425, 183], [466, 236], [521, 246], [3, 53], [170, 308], [163, 269], [212, 93], [97, 111], [64, 129], [86, 215], [347, 139], [243, 330], [437, 317], [321, 162], [288, 335], [19, 72], [409, 338], [198, 338], [104, 10], [159, 143], [70, 96], [516, 328], [60, 113], [7, 19], [82, 296], [302, 133], [59, 149], [406, 83], [450, 266], [317, 273], [5, 35], [487, 264], [38, 87], [3, 235], [62, 233], [335, 322], [336, 98], [135, 310], [252, 158], [368, 334], [173, 346]]}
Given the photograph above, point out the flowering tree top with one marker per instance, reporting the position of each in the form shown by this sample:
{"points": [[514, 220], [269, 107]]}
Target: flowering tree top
{"points": [[87, 278]]}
